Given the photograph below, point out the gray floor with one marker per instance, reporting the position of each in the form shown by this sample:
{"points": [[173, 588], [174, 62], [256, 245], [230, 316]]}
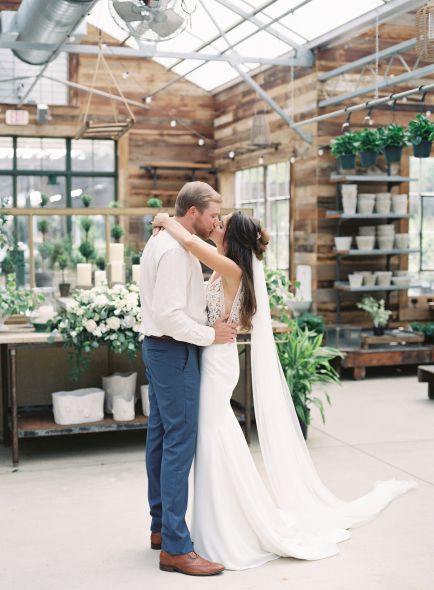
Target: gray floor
{"points": [[73, 516]]}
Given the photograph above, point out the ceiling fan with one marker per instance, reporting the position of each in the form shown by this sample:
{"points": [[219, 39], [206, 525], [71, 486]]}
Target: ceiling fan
{"points": [[150, 20]]}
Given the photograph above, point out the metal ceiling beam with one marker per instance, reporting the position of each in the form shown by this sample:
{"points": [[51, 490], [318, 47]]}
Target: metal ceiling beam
{"points": [[348, 67], [364, 22], [259, 23], [259, 91], [391, 81], [150, 52]]}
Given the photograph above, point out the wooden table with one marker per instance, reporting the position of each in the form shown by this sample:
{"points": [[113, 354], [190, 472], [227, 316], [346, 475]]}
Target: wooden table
{"points": [[392, 337], [35, 421]]}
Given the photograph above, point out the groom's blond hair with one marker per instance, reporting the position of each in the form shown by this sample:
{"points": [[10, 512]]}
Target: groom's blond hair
{"points": [[195, 194]]}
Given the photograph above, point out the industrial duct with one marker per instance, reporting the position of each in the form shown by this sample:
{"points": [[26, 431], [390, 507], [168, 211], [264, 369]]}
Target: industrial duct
{"points": [[47, 21]]}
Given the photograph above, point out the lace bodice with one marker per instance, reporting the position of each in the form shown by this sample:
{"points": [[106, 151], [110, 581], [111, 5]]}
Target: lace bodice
{"points": [[215, 302]]}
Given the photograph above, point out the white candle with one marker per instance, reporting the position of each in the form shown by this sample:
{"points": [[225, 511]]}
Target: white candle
{"points": [[100, 277], [304, 277], [45, 313], [136, 273], [116, 252], [84, 274], [117, 272]]}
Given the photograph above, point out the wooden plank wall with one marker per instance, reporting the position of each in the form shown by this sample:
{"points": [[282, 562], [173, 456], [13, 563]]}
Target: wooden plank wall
{"points": [[311, 191]]}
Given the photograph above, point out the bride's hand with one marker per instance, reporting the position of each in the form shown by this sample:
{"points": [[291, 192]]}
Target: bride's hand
{"points": [[160, 220]]}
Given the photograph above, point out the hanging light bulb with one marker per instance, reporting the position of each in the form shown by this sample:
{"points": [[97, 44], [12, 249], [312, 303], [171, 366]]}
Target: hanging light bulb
{"points": [[428, 113], [292, 159], [125, 75], [260, 160], [201, 141], [173, 123], [320, 152], [231, 155], [148, 99]]}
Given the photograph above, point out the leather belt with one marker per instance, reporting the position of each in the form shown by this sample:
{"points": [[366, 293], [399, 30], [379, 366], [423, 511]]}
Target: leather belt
{"points": [[161, 337]]}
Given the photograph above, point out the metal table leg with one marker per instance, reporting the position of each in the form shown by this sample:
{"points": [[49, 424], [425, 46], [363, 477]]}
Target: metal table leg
{"points": [[5, 394], [13, 404]]}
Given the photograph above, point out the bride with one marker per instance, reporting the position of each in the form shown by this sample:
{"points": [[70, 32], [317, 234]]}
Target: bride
{"points": [[239, 519]]}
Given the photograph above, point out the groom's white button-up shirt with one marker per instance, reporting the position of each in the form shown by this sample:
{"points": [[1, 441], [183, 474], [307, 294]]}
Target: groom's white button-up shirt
{"points": [[172, 292]]}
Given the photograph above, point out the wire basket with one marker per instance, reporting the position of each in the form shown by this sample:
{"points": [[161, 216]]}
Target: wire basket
{"points": [[260, 133], [425, 32]]}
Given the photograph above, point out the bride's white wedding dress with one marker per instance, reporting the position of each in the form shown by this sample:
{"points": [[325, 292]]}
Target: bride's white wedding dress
{"points": [[238, 520]]}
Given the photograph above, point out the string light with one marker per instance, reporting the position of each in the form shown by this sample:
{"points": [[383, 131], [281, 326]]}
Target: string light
{"points": [[148, 99], [201, 141], [173, 123], [292, 159], [368, 119], [125, 75], [260, 160], [320, 152], [346, 123], [231, 155]]}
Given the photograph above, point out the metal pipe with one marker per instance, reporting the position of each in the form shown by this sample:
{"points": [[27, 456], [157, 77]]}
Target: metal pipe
{"points": [[366, 105], [47, 21]]}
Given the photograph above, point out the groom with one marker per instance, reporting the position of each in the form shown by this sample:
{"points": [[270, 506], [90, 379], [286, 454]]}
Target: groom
{"points": [[173, 320]]}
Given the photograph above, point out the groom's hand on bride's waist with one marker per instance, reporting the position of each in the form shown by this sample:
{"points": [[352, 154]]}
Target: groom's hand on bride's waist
{"points": [[224, 332]]}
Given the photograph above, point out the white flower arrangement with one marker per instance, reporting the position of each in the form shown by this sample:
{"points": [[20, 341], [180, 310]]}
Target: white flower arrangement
{"points": [[101, 315]]}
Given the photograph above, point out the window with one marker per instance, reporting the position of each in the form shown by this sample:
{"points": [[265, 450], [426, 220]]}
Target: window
{"points": [[266, 190], [422, 216], [63, 170]]}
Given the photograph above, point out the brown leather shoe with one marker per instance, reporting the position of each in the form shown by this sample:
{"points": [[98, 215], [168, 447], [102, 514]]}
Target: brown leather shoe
{"points": [[155, 540], [191, 564]]}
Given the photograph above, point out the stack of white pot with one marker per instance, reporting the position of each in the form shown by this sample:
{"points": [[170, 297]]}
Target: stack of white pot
{"points": [[383, 202], [349, 198], [368, 203]]}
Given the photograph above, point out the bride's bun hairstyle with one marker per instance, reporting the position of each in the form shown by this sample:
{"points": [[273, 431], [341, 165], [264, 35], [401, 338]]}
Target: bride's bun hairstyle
{"points": [[244, 235]]}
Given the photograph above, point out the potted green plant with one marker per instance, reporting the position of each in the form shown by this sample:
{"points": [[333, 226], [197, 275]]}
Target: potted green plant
{"points": [[87, 250], [312, 322], [369, 146], [86, 200], [427, 329], [16, 300], [305, 363], [344, 148], [379, 314], [393, 138], [154, 202], [280, 292], [44, 277], [117, 232], [64, 287], [420, 133]]}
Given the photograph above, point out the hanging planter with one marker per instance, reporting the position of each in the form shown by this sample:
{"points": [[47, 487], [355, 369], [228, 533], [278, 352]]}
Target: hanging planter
{"points": [[260, 132], [420, 132], [344, 148], [369, 146], [393, 139]]}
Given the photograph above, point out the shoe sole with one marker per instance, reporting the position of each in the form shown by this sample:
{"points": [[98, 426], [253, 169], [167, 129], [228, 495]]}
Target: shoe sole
{"points": [[156, 546], [171, 568]]}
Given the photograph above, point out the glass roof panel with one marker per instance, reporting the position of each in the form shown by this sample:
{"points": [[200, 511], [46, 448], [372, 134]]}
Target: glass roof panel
{"points": [[311, 20]]}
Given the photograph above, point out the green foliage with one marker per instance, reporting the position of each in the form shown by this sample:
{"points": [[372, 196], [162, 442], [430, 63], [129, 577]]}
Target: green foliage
{"points": [[117, 232], [392, 136], [86, 224], [8, 265], [100, 263], [420, 129], [375, 308], [43, 227], [344, 145], [44, 200], [305, 363], [15, 300], [87, 250], [279, 289], [154, 202], [115, 205], [135, 258], [311, 321], [86, 200], [426, 328], [368, 140]]}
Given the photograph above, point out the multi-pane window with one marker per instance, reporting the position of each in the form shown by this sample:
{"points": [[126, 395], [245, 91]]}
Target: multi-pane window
{"points": [[265, 189], [63, 170], [422, 215]]}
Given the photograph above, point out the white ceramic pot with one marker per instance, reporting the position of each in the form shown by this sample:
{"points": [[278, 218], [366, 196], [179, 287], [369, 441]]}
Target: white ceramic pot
{"points": [[355, 279], [401, 281], [368, 279], [383, 278], [349, 190], [365, 242], [365, 206], [119, 385], [144, 390], [123, 409], [383, 207], [343, 242], [349, 204], [78, 406], [402, 241], [299, 307], [385, 242]]}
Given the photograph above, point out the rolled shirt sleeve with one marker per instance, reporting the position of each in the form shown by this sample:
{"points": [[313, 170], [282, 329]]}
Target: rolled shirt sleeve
{"points": [[169, 301]]}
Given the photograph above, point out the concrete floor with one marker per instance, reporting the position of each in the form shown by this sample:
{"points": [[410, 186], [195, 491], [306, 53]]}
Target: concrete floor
{"points": [[73, 516]]}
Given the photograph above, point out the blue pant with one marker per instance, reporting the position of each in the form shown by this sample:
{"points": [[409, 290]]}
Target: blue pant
{"points": [[174, 379]]}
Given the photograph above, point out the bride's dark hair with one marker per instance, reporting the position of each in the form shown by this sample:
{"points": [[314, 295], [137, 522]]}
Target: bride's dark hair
{"points": [[244, 235]]}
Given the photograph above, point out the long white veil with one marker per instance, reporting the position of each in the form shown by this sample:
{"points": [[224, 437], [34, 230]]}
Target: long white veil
{"points": [[291, 473]]}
